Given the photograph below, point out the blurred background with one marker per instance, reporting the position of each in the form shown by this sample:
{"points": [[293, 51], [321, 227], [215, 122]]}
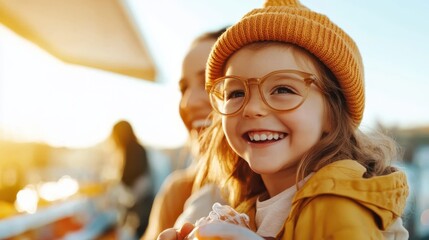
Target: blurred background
{"points": [[69, 70]]}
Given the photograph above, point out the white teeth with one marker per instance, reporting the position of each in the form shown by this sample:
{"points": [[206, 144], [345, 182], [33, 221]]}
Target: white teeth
{"points": [[276, 136], [201, 123], [266, 136]]}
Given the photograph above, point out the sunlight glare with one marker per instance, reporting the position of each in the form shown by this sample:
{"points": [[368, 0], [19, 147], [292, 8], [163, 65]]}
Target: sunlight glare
{"points": [[27, 200], [62, 189], [45, 100]]}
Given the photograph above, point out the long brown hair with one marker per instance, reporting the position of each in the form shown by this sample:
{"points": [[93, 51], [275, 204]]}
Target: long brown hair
{"points": [[374, 151]]}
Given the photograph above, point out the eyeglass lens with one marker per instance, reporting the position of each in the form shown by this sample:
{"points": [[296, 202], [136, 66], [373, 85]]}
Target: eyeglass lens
{"points": [[280, 91]]}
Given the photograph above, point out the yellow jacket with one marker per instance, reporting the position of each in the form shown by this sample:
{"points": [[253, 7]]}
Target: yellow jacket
{"points": [[338, 203]]}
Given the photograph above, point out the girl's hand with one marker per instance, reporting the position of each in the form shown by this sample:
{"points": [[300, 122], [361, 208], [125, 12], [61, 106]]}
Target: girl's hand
{"points": [[174, 234], [223, 230]]}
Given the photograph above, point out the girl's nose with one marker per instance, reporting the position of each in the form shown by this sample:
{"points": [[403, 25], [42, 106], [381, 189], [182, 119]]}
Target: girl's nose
{"points": [[255, 107]]}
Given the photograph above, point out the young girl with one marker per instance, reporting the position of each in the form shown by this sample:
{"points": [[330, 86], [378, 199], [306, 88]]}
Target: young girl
{"points": [[288, 88]]}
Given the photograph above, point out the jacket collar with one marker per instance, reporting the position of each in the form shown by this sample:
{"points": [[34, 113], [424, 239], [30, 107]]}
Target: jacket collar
{"points": [[384, 195]]}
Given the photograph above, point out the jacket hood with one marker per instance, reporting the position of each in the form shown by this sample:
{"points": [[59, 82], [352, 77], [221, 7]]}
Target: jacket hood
{"points": [[384, 195]]}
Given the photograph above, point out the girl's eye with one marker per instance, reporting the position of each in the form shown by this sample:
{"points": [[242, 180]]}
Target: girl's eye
{"points": [[235, 94], [283, 90]]}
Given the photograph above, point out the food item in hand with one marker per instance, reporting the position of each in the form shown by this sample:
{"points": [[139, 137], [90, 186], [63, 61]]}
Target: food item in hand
{"points": [[221, 213]]}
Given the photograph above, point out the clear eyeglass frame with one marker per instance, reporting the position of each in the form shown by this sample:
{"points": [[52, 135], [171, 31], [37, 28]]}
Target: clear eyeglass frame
{"points": [[307, 78]]}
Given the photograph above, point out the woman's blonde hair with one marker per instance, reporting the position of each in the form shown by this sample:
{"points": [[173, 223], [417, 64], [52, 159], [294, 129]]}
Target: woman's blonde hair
{"points": [[374, 151]]}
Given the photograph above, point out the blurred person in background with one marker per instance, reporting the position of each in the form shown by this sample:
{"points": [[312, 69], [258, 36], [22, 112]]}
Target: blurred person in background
{"points": [[135, 174], [178, 201]]}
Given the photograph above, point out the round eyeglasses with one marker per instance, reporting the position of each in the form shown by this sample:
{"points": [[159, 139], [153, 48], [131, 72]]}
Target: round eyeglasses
{"points": [[281, 90]]}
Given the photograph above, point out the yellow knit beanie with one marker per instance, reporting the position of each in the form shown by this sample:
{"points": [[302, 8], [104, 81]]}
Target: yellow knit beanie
{"points": [[289, 21]]}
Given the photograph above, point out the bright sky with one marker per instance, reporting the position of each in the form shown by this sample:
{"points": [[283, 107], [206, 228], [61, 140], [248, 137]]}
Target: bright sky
{"points": [[43, 99]]}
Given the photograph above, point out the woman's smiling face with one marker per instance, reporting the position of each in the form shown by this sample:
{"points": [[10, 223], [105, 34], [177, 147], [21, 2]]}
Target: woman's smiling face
{"points": [[195, 105], [273, 142]]}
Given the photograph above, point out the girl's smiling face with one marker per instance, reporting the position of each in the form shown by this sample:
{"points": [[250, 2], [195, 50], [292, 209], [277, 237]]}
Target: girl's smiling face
{"points": [[291, 133]]}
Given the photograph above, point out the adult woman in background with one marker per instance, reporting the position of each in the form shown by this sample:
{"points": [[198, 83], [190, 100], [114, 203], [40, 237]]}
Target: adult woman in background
{"points": [[177, 199]]}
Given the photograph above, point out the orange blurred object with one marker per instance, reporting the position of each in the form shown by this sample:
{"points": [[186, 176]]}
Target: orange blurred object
{"points": [[7, 209], [65, 226]]}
